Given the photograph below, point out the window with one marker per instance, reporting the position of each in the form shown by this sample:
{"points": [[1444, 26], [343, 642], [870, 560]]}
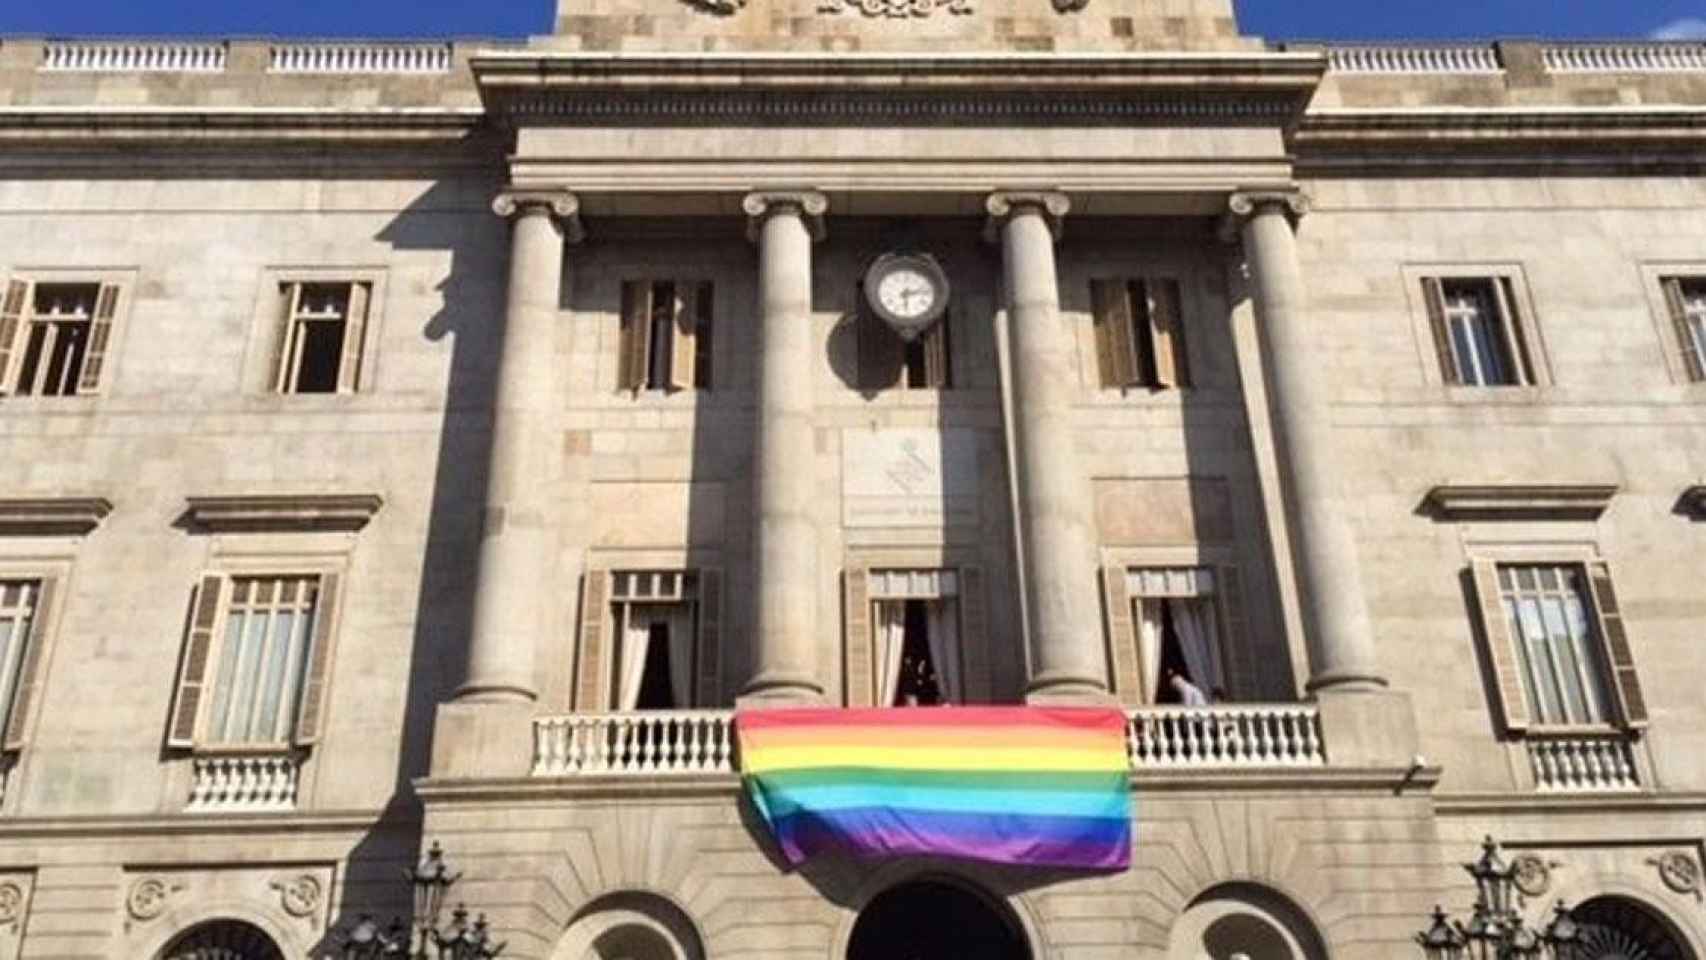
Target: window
{"points": [[666, 625], [54, 337], [1140, 339], [1558, 645], [323, 336], [909, 632], [1477, 332], [23, 615], [255, 665], [1166, 621], [1686, 298], [665, 340], [886, 361]]}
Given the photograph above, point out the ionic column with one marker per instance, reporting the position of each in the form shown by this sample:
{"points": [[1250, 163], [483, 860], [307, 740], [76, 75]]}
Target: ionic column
{"points": [[516, 542], [1057, 543], [1335, 612], [784, 574]]}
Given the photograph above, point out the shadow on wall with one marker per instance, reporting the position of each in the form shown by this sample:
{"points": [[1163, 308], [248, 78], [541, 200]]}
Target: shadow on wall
{"points": [[452, 218]]}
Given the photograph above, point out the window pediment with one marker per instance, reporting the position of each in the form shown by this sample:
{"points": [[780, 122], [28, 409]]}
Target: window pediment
{"points": [[1519, 501], [28, 516], [282, 512]]}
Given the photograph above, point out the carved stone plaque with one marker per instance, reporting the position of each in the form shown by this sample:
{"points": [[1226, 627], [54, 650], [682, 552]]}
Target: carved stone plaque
{"points": [[909, 478]]}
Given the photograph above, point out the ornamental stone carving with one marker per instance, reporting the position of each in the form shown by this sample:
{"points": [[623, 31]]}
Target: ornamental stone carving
{"points": [[147, 897], [898, 8], [298, 895], [561, 205], [760, 205], [11, 901], [1532, 875], [1000, 206], [1679, 871], [720, 7]]}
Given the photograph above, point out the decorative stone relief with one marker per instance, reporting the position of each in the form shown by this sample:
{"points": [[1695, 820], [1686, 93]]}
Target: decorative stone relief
{"points": [[15, 891], [11, 902], [1533, 875], [148, 896], [299, 895], [1679, 871], [722, 7], [898, 8]]}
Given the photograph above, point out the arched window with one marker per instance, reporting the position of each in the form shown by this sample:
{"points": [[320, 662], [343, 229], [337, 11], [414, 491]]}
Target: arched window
{"points": [[1240, 920], [223, 940], [1618, 928], [630, 925], [936, 918]]}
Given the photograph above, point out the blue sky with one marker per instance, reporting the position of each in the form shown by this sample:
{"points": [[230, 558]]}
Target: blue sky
{"points": [[1276, 19]]}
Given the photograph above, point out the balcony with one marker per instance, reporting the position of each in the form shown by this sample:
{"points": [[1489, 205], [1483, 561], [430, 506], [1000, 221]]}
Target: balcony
{"points": [[701, 742], [1583, 763]]}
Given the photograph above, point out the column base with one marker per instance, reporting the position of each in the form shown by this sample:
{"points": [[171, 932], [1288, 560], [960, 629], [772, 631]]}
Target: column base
{"points": [[493, 693], [482, 740], [1067, 692], [780, 690], [1367, 729]]}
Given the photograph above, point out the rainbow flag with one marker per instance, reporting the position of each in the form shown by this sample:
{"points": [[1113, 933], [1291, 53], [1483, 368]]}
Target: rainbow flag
{"points": [[1015, 785]]}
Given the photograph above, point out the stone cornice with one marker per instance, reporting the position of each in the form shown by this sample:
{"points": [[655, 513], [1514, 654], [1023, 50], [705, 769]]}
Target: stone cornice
{"points": [[211, 124], [1518, 501], [291, 823], [1253, 88], [303, 513], [26, 516]]}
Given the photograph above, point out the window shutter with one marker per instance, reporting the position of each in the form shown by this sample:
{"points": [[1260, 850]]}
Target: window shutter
{"points": [[100, 338], [684, 337], [710, 637], [30, 669], [1614, 638], [355, 337], [938, 372], [207, 609], [861, 685], [1510, 322], [590, 695], [702, 336], [1234, 643], [1122, 638], [12, 309], [284, 361], [633, 345], [310, 718], [1501, 646], [974, 637], [881, 355], [1433, 294], [1693, 364], [1116, 347], [1171, 367]]}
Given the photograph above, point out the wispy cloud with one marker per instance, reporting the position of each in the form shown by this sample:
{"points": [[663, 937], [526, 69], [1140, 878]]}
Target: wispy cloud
{"points": [[1688, 28]]}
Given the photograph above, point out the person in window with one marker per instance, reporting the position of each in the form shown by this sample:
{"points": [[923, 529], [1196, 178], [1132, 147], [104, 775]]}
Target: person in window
{"points": [[918, 686], [1189, 693]]}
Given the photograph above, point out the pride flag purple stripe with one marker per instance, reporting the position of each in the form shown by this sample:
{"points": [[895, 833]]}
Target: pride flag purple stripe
{"points": [[1083, 843]]}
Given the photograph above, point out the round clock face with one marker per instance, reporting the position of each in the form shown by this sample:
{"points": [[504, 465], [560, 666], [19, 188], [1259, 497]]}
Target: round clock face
{"points": [[906, 292]]}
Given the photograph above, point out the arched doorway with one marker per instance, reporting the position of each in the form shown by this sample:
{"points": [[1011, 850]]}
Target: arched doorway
{"points": [[1618, 928], [936, 920], [222, 940], [1244, 920]]}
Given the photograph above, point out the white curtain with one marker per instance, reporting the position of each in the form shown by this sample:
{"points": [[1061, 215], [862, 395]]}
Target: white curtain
{"points": [[1149, 647], [681, 643], [636, 638], [1193, 622], [891, 636], [944, 626]]}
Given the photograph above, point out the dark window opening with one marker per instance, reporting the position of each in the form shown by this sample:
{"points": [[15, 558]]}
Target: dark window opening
{"points": [[322, 351], [662, 339], [919, 685], [1172, 659]]}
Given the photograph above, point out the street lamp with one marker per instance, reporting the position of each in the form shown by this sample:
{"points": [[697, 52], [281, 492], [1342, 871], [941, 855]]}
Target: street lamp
{"points": [[461, 940], [1496, 929]]}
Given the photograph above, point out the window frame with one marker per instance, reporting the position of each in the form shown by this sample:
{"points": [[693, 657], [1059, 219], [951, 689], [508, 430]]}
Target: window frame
{"points": [[1522, 333], [1656, 277], [19, 718], [104, 340], [1231, 599], [595, 664], [637, 360], [271, 334], [1160, 353]]}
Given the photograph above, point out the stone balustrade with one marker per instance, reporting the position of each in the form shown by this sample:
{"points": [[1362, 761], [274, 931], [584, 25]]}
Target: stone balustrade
{"points": [[1625, 57], [667, 743], [1395, 58], [359, 58], [1583, 763], [243, 783], [133, 56]]}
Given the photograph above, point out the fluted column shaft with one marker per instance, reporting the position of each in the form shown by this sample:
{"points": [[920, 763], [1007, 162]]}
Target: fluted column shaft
{"points": [[785, 542], [516, 543], [1335, 612], [1057, 542]]}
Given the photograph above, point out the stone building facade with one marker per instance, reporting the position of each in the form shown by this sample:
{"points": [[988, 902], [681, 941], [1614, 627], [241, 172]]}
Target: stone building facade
{"points": [[437, 442]]}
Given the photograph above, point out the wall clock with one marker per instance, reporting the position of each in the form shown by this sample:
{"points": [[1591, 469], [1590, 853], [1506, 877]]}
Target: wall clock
{"points": [[908, 291]]}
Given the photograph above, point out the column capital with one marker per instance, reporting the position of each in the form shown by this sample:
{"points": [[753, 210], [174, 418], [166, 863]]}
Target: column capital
{"points": [[761, 205], [1245, 204], [1003, 204], [561, 205]]}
